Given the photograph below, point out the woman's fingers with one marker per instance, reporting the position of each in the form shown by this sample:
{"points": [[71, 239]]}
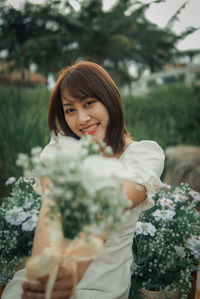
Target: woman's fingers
{"points": [[35, 286], [66, 271], [59, 294], [62, 288], [63, 285], [32, 295], [43, 279]]}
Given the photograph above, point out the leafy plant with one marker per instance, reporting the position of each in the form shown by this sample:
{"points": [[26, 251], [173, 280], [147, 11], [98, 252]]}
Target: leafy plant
{"points": [[166, 246], [18, 218]]}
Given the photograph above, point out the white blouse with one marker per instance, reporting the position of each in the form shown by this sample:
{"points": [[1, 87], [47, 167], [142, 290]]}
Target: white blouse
{"points": [[108, 276]]}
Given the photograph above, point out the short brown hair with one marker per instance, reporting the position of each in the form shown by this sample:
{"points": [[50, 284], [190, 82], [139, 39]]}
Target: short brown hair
{"points": [[88, 79]]}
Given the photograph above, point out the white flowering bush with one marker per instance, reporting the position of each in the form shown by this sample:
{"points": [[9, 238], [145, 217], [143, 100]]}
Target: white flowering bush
{"points": [[166, 245], [18, 218], [85, 187]]}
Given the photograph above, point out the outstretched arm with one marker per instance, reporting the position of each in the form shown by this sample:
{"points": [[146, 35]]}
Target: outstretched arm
{"points": [[65, 278]]}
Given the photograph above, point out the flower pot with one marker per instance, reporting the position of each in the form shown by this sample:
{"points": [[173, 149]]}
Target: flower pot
{"points": [[159, 294]]}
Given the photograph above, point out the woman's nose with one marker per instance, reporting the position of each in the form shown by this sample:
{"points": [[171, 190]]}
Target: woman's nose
{"points": [[83, 117]]}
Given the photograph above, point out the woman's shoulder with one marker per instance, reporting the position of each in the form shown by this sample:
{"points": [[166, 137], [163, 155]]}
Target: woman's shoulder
{"points": [[49, 147], [146, 155], [143, 148]]}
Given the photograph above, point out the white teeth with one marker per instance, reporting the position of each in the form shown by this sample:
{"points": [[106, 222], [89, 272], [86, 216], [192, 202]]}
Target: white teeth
{"points": [[89, 129]]}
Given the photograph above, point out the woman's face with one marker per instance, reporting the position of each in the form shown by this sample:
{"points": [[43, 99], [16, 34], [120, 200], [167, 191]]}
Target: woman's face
{"points": [[88, 116]]}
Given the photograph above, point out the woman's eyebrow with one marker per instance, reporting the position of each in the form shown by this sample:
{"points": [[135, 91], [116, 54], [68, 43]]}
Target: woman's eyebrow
{"points": [[67, 104]]}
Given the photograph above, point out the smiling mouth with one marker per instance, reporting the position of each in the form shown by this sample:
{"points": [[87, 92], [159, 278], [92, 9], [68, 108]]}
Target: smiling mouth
{"points": [[90, 129]]}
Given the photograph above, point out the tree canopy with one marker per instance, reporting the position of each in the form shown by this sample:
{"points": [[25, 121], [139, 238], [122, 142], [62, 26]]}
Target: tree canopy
{"points": [[54, 34]]}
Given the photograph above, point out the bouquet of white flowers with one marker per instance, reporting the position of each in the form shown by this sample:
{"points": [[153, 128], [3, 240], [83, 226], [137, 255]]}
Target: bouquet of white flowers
{"points": [[86, 193], [18, 218], [166, 246]]}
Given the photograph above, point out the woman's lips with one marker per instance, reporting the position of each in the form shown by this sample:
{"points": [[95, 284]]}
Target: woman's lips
{"points": [[90, 129]]}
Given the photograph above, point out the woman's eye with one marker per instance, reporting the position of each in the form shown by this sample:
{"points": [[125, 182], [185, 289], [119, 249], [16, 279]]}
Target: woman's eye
{"points": [[90, 103], [69, 111]]}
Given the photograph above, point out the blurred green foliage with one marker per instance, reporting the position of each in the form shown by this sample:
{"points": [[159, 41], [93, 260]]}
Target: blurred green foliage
{"points": [[169, 114], [23, 123]]}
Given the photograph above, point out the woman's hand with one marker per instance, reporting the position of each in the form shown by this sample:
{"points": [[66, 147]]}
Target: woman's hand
{"points": [[62, 289]]}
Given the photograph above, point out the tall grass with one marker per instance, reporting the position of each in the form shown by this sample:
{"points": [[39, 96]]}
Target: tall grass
{"points": [[23, 123], [169, 114]]}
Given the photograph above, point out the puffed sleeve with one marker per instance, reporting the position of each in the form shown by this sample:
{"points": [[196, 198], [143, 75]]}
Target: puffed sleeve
{"points": [[143, 162], [48, 148]]}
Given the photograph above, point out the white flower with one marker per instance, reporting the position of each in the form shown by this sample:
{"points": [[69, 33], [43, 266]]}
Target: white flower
{"points": [[36, 150], [102, 144], [165, 186], [145, 228], [15, 216], [166, 202], [99, 172], [69, 194], [86, 140], [22, 160], [69, 146], [28, 203], [108, 150], [195, 195], [32, 212], [63, 147], [29, 179], [30, 224], [10, 181], [163, 214], [180, 251], [178, 197], [194, 245]]}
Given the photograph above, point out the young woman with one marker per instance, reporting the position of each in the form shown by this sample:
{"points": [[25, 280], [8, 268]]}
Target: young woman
{"points": [[85, 100]]}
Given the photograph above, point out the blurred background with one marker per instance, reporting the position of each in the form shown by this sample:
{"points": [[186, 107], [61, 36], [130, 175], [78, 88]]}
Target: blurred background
{"points": [[150, 48]]}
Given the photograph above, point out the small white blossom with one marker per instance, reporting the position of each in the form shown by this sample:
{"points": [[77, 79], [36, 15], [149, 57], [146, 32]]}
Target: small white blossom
{"points": [[145, 228], [15, 216], [30, 224], [10, 181], [29, 180], [194, 245], [180, 197], [99, 172], [22, 160], [102, 144], [69, 194], [36, 150], [180, 251], [28, 203], [165, 186], [195, 195], [32, 212], [163, 214], [166, 202], [95, 147], [108, 151]]}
